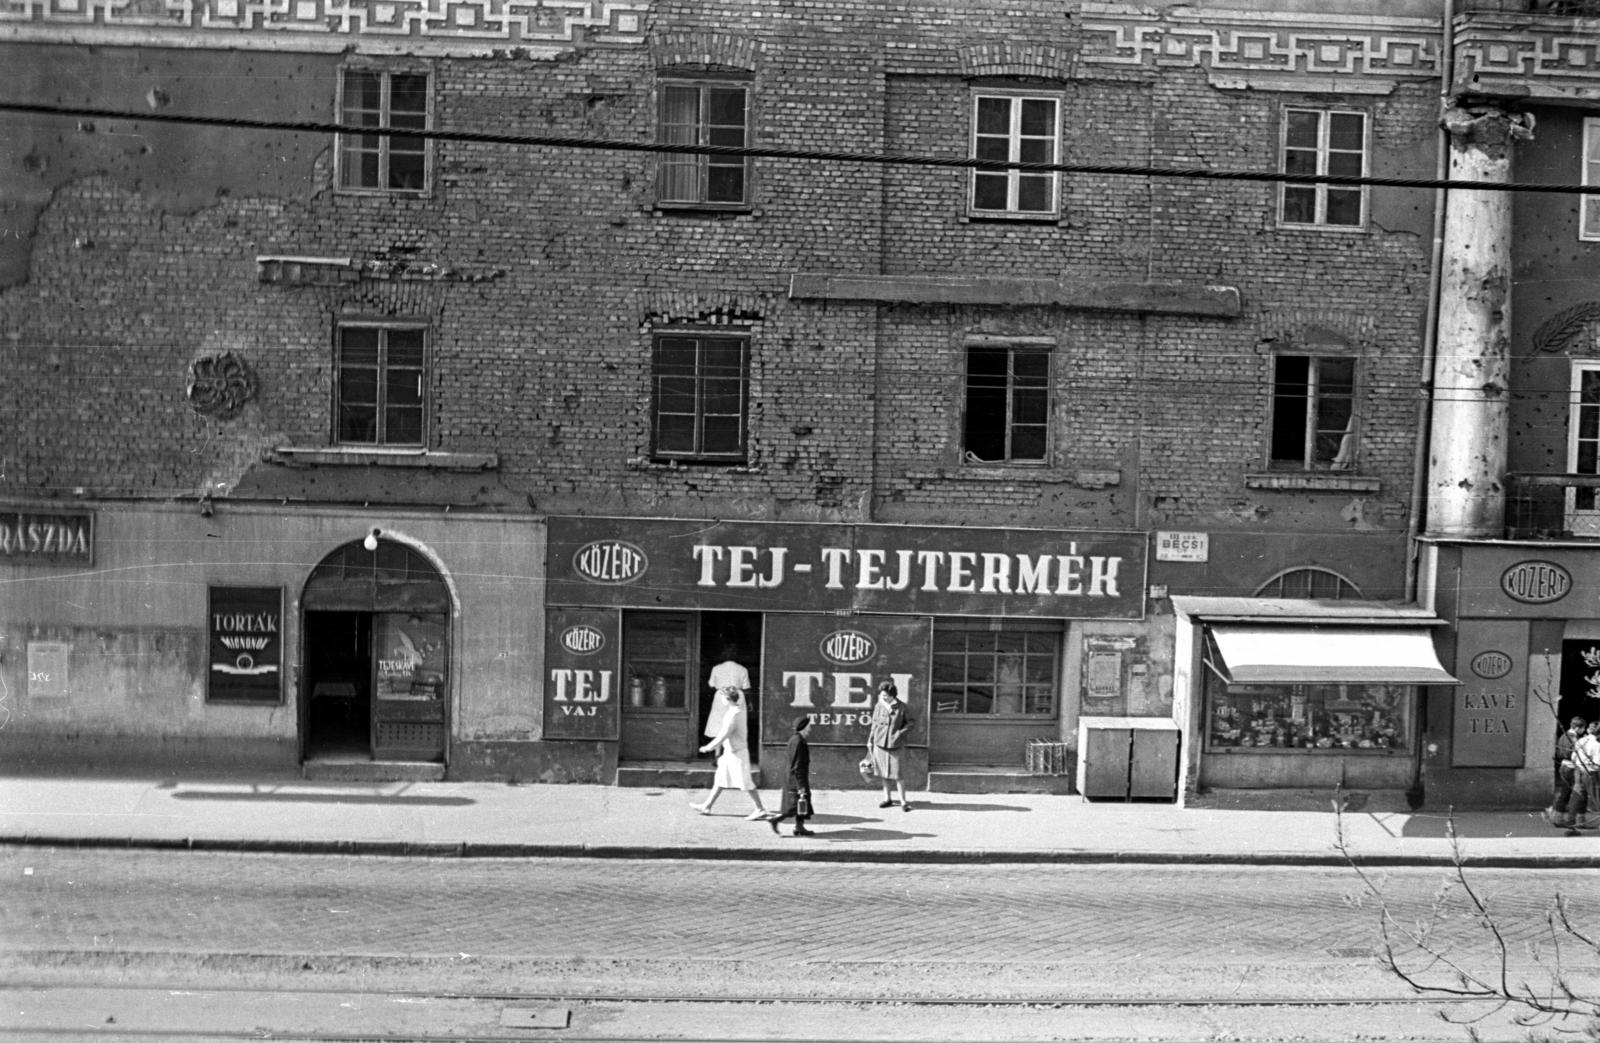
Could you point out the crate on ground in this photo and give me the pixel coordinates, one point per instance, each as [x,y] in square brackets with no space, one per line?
[1047,757]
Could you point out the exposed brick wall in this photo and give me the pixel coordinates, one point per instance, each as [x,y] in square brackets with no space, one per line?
[855,408]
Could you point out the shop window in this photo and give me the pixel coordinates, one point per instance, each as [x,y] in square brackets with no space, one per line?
[381,373]
[1317,141]
[1343,718]
[703,113]
[1313,413]
[1589,208]
[701,397]
[1008,670]
[380,98]
[1015,128]
[655,649]
[1323,584]
[1583,448]
[1007,414]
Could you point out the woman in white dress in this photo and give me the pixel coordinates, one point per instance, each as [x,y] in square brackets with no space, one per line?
[733,762]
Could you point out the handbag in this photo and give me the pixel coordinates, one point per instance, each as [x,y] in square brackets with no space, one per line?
[865,768]
[802,804]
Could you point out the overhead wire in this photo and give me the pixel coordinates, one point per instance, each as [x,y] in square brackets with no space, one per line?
[770,152]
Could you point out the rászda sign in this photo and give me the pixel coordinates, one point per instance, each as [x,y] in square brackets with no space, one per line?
[33,537]
[922,570]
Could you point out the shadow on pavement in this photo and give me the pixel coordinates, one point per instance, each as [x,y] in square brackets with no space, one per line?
[289,797]
[938,805]
[856,833]
[1481,825]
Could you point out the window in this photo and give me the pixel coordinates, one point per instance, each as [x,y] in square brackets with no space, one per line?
[1589,211]
[978,669]
[701,397]
[1313,413]
[382,371]
[1370,718]
[378,162]
[1007,418]
[703,114]
[1016,129]
[1311,582]
[1583,448]
[1317,142]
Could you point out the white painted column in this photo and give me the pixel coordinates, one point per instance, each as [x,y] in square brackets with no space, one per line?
[1472,371]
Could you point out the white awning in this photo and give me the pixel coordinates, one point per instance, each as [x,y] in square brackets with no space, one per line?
[1325,655]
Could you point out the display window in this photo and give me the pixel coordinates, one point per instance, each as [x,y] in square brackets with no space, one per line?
[1344,718]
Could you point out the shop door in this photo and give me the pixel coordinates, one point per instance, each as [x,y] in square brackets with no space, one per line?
[338,685]
[376,656]
[731,637]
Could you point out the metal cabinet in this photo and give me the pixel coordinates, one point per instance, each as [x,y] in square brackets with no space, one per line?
[1128,758]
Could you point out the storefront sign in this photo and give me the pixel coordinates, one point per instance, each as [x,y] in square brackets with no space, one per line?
[581,693]
[1536,582]
[828,669]
[906,569]
[1490,717]
[246,626]
[1183,546]
[46,538]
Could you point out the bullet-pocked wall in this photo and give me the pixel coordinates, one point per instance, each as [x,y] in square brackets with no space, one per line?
[107,659]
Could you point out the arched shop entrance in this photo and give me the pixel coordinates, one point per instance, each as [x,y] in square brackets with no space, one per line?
[376,626]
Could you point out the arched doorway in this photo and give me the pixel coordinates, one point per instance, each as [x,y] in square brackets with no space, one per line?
[376,647]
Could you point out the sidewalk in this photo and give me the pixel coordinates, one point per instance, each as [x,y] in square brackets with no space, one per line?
[485,819]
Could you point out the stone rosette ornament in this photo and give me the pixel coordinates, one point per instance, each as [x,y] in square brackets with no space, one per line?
[219,386]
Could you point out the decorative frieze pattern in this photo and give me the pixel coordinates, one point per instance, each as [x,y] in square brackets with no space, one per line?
[1530,52]
[271,23]
[1247,42]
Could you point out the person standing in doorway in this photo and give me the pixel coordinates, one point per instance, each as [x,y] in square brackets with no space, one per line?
[1583,809]
[890,723]
[797,783]
[727,674]
[733,758]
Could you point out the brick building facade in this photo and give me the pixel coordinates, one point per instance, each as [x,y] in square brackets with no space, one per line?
[430,395]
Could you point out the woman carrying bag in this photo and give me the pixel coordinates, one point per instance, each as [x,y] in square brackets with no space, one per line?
[890,723]
[797,783]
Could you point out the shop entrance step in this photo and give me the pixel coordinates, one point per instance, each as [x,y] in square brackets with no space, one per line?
[670,774]
[969,778]
[361,769]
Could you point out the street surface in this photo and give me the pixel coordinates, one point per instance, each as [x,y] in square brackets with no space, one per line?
[369,947]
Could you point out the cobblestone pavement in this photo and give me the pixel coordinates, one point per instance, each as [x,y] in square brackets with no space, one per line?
[1112,924]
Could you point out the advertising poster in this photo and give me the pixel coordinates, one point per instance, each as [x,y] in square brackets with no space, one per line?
[582,696]
[246,645]
[828,667]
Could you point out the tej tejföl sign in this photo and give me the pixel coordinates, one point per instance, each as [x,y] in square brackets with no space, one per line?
[828,668]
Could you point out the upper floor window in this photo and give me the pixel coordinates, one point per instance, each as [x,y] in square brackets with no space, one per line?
[1007,415]
[1324,142]
[1583,448]
[701,401]
[1313,413]
[382,371]
[380,162]
[711,113]
[1015,128]
[1589,209]
[1308,582]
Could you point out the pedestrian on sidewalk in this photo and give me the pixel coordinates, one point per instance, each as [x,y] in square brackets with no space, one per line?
[1583,809]
[733,757]
[1556,815]
[890,723]
[797,783]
